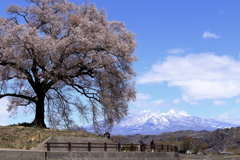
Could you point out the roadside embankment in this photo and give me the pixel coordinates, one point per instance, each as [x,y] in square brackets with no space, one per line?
[41,155]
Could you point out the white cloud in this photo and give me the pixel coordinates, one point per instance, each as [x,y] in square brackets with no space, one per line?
[157,102]
[4,115]
[219,103]
[223,116]
[200,76]
[20,117]
[176,101]
[140,103]
[143,102]
[208,34]
[238,100]
[142,96]
[177,50]
[229,117]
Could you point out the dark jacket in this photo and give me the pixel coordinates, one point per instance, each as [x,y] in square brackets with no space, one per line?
[152,143]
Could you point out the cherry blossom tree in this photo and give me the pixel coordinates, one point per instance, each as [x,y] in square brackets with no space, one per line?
[58,58]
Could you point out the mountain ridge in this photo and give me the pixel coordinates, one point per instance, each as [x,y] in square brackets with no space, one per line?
[153,124]
[146,123]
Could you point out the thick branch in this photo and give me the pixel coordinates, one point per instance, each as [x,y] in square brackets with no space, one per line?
[19,96]
[24,71]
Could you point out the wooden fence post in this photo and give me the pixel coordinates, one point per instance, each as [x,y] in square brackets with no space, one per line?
[131,148]
[119,147]
[89,146]
[105,146]
[167,148]
[69,146]
[175,149]
[48,146]
[161,147]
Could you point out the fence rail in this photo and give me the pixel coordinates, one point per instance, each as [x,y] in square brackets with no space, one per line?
[118,146]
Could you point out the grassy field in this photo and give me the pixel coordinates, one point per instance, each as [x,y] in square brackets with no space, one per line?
[19,137]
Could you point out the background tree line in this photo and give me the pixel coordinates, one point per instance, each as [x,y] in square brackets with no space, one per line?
[183,142]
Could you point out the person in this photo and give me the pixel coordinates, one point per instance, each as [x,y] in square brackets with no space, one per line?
[107,134]
[152,145]
[138,148]
[141,144]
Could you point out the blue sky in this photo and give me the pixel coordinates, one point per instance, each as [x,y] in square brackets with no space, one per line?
[188,51]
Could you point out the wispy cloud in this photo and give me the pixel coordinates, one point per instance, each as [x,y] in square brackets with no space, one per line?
[238,100]
[229,116]
[176,101]
[222,11]
[20,117]
[208,34]
[177,50]
[152,105]
[200,76]
[219,103]
[4,115]
[144,102]
[157,102]
[143,96]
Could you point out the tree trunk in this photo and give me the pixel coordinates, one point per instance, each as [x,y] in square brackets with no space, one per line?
[39,115]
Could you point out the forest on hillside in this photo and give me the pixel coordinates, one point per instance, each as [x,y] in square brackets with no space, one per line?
[197,141]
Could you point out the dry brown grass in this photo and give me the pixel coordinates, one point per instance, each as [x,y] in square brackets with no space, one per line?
[19,137]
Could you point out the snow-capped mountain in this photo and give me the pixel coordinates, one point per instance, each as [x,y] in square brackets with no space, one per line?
[153,123]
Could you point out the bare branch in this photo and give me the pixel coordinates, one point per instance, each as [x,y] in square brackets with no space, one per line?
[19,96]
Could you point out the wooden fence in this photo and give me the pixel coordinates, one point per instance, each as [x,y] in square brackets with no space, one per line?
[117,146]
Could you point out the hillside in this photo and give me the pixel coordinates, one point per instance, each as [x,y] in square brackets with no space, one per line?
[218,140]
[19,137]
[223,138]
[178,136]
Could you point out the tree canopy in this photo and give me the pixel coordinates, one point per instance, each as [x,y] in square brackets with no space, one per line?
[58,58]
